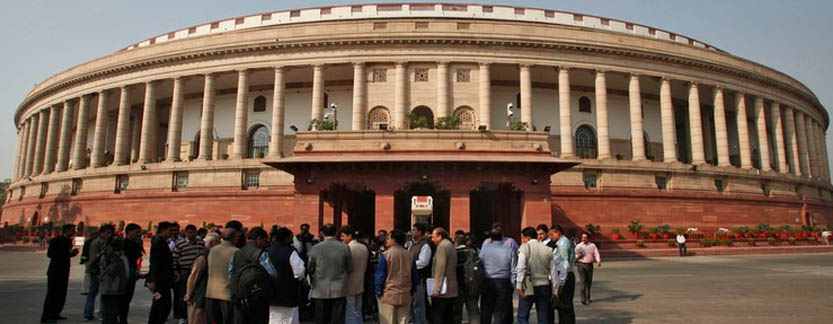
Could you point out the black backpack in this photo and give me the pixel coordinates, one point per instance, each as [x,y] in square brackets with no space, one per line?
[254,285]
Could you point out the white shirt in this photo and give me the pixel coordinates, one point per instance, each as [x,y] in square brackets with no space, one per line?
[424,257]
[680,238]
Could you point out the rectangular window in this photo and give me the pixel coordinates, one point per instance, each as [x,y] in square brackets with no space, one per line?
[326,11]
[662,182]
[380,26]
[422,7]
[519,11]
[421,25]
[488,9]
[388,7]
[251,179]
[44,188]
[22,193]
[239,21]
[266,17]
[356,9]
[463,26]
[180,180]
[122,181]
[192,30]
[454,7]
[379,75]
[628,26]
[719,185]
[215,25]
[420,75]
[76,187]
[463,75]
[578,18]
[549,13]
[590,180]
[605,22]
[295,13]
[766,190]
[171,35]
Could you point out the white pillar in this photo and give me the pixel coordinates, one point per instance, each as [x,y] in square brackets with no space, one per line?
[803,154]
[318,103]
[778,128]
[565,122]
[743,132]
[442,89]
[721,133]
[763,140]
[175,121]
[359,96]
[400,103]
[100,131]
[635,107]
[241,116]
[276,144]
[51,149]
[792,140]
[147,145]
[484,91]
[64,140]
[40,145]
[207,121]
[601,116]
[698,154]
[30,144]
[526,96]
[121,155]
[669,131]
[80,151]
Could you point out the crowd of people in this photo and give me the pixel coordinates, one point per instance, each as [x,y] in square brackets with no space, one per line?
[233,274]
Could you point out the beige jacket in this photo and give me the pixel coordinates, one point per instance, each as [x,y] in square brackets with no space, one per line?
[444,267]
[355,280]
[218,275]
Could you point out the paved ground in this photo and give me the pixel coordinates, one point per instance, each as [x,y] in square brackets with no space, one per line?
[709,289]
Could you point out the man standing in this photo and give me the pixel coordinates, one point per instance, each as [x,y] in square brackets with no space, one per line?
[393,281]
[355,284]
[681,244]
[218,306]
[563,279]
[532,282]
[133,251]
[444,270]
[283,307]
[543,232]
[497,260]
[105,233]
[329,263]
[420,252]
[468,278]
[186,250]
[586,253]
[60,252]
[249,309]
[160,277]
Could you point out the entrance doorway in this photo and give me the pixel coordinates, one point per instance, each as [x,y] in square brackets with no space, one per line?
[495,203]
[402,219]
[343,205]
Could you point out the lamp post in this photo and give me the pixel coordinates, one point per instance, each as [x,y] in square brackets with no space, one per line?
[509,114]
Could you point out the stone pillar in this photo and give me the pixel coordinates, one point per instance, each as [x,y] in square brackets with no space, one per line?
[792,140]
[778,128]
[669,131]
[51,149]
[442,89]
[24,146]
[175,121]
[818,140]
[400,109]
[804,159]
[64,140]
[276,144]
[721,132]
[635,101]
[824,156]
[763,140]
[21,129]
[602,130]
[241,116]
[695,123]
[359,96]
[30,144]
[100,131]
[743,132]
[565,120]
[122,150]
[147,144]
[317,93]
[40,144]
[812,156]
[526,96]
[484,91]
[207,122]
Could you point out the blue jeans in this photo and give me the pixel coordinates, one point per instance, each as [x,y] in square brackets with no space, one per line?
[353,313]
[543,305]
[418,309]
[89,306]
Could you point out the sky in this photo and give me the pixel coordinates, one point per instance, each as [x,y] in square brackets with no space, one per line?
[44,37]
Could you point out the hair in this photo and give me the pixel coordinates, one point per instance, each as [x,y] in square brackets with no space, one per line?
[190,227]
[459,232]
[348,230]
[117,244]
[304,226]
[132,227]
[461,238]
[202,232]
[529,232]
[542,227]
[283,235]
[422,227]
[234,224]
[162,226]
[443,232]
[211,237]
[557,228]
[497,225]
[257,233]
[107,228]
[398,236]
[328,230]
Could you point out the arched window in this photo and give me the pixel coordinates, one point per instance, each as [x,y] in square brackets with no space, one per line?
[260,104]
[378,118]
[584,105]
[421,117]
[586,142]
[258,141]
[468,120]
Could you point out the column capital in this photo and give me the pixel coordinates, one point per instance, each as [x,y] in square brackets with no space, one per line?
[280,67]
[484,64]
[400,63]
[242,70]
[358,63]
[600,71]
[634,74]
[525,65]
[443,62]
[563,68]
[693,84]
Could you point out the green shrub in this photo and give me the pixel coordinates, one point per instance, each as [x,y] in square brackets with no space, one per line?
[635,226]
[518,126]
[450,122]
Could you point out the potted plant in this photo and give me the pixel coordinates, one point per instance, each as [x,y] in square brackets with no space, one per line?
[450,122]
[763,230]
[654,232]
[635,227]
[750,241]
[592,229]
[616,234]
[517,125]
[666,231]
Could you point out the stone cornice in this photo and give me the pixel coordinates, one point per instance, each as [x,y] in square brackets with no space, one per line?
[271,48]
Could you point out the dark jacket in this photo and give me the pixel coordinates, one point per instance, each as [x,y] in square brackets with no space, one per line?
[248,254]
[288,292]
[59,253]
[161,271]
[114,273]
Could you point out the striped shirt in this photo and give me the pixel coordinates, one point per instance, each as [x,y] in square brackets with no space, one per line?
[185,252]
